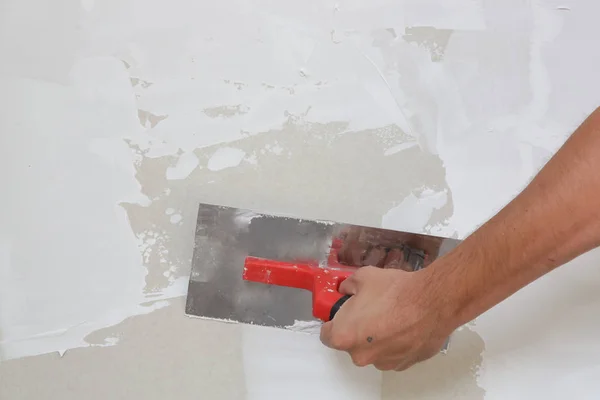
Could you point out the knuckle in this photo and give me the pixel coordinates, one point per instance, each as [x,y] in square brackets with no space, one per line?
[385,366]
[429,353]
[365,272]
[340,341]
[406,364]
[402,367]
[325,334]
[361,359]
[351,280]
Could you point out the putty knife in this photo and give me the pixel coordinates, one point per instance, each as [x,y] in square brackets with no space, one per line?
[274,270]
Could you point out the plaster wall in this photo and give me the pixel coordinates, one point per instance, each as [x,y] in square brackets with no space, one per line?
[117,117]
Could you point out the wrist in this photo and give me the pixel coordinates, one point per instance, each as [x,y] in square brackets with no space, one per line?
[442,295]
[474,277]
[456,288]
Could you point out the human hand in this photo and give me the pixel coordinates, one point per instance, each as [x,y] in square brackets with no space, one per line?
[393,320]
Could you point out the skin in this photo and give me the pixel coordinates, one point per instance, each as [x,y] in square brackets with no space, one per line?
[397,318]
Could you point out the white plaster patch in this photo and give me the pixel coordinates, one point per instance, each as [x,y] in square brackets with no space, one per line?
[112,340]
[275,149]
[81,163]
[310,327]
[251,159]
[170,273]
[153,241]
[117,155]
[175,218]
[413,213]
[225,157]
[399,147]
[186,164]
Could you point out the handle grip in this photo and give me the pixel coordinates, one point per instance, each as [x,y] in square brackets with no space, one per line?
[322,282]
[337,305]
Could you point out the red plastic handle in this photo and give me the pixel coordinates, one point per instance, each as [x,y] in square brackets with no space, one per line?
[322,282]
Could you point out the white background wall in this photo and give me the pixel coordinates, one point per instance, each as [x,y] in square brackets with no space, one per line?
[118,117]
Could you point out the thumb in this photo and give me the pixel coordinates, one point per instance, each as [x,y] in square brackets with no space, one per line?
[349,286]
[354,282]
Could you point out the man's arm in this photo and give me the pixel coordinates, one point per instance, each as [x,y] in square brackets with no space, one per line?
[397,318]
[555,219]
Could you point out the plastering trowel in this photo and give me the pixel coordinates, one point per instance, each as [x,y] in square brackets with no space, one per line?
[248,267]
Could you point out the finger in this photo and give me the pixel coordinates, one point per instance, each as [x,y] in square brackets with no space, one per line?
[406,364]
[333,339]
[361,359]
[354,282]
[325,334]
[350,285]
[429,353]
[419,358]
[386,365]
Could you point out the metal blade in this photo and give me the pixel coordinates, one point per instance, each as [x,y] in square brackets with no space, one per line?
[225,236]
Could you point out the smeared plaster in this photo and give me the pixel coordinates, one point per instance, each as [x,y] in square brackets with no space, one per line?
[414,213]
[399,147]
[172,213]
[225,111]
[175,218]
[186,164]
[225,157]
[64,212]
[385,104]
[309,327]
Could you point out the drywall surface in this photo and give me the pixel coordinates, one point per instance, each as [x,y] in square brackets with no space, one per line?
[118,117]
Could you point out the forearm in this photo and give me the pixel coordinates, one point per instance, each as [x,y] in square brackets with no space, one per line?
[556,218]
